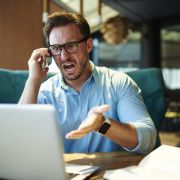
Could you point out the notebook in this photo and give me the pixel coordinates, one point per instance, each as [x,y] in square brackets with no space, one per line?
[30,143]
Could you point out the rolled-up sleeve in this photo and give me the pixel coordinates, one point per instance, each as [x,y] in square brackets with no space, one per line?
[146,138]
[131,109]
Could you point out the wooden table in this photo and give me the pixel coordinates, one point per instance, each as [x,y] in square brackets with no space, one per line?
[106,161]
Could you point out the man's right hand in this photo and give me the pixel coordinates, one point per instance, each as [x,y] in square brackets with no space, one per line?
[36,75]
[36,70]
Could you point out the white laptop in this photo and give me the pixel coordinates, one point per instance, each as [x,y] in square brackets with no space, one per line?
[30,143]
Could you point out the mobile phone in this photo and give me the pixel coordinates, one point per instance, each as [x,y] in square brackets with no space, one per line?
[45,63]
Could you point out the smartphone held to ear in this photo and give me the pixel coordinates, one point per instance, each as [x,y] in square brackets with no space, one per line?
[45,63]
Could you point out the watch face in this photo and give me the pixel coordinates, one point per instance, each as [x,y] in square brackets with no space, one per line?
[104,128]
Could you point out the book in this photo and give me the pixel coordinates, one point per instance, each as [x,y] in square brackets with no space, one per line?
[162,163]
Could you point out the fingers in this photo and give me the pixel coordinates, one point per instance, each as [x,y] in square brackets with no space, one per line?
[41,53]
[76,134]
[39,56]
[99,109]
[80,132]
[102,109]
[37,65]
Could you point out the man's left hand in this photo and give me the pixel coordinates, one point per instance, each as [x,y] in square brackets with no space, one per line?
[93,122]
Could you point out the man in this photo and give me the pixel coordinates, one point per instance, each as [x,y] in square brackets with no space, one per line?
[99,110]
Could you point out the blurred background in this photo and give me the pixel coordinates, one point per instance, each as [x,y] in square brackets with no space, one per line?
[128,35]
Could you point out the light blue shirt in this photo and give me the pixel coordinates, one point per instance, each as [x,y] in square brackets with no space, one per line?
[104,86]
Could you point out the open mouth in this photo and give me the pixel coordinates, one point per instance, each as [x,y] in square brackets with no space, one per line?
[69,67]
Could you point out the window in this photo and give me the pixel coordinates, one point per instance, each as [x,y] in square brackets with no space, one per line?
[171,56]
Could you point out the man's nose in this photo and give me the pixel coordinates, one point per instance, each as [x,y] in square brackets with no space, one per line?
[64,54]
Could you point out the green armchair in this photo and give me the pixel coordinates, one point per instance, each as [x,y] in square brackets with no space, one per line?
[152,85]
[150,81]
[12,84]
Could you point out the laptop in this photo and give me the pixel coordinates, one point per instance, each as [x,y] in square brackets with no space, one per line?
[30,143]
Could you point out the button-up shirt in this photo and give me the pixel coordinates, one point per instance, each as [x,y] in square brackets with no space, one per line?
[104,86]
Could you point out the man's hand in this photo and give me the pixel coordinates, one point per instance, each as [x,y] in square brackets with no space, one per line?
[37,74]
[36,62]
[93,122]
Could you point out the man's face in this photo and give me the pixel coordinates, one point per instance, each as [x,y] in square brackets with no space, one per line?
[72,66]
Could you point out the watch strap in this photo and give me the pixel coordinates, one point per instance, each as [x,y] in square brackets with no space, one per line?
[105,126]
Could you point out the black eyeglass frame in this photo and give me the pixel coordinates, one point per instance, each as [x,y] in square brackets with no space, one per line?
[64,46]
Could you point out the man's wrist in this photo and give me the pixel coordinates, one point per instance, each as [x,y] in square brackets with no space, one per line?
[105,126]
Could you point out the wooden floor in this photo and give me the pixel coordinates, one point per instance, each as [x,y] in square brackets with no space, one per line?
[170,138]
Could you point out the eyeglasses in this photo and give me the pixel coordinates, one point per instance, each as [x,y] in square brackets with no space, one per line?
[70,47]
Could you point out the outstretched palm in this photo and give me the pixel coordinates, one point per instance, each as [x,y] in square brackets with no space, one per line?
[91,123]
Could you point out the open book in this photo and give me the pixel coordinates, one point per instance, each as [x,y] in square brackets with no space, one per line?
[162,163]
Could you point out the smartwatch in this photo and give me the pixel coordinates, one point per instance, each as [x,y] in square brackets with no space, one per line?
[105,126]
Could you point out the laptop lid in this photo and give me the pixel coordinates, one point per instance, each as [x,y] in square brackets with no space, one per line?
[30,143]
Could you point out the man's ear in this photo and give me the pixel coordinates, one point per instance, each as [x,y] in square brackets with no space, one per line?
[89,44]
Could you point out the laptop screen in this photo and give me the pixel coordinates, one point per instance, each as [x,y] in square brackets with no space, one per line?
[30,143]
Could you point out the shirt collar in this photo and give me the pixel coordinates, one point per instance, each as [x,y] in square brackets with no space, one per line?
[94,71]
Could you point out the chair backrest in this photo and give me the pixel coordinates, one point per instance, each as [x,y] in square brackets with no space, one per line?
[12,84]
[151,83]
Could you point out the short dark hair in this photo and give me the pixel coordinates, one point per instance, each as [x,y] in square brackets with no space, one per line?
[62,19]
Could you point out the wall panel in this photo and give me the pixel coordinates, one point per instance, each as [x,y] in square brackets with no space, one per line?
[20,31]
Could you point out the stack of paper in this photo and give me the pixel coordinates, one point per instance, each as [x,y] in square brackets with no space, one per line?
[79,172]
[162,163]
